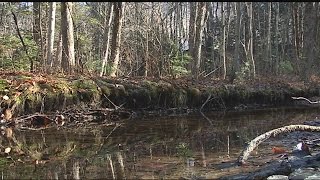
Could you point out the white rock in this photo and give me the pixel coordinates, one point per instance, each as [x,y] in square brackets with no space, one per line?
[5,97]
[7,150]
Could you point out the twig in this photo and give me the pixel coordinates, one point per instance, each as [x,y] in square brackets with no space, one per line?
[208,99]
[212,71]
[210,121]
[34,115]
[34,129]
[303,98]
[115,106]
[117,125]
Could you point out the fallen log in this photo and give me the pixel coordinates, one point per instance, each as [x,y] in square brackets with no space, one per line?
[286,129]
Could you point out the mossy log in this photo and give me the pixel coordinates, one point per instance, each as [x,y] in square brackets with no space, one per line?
[286,129]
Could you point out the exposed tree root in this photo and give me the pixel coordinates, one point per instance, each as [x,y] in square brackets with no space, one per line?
[286,129]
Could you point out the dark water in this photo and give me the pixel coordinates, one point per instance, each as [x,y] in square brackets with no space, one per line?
[147,148]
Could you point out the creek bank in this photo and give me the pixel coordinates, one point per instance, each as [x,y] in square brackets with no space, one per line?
[31,93]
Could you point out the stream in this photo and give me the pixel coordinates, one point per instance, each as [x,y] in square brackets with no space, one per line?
[170,147]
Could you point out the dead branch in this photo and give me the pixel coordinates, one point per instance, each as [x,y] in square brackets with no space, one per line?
[303,98]
[21,39]
[286,129]
[208,99]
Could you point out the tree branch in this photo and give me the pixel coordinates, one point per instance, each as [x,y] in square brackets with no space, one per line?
[21,39]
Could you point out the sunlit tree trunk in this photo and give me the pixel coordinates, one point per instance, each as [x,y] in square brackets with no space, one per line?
[107,33]
[116,37]
[250,14]
[223,40]
[68,58]
[51,29]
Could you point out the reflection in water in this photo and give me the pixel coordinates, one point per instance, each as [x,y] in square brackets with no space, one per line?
[166,147]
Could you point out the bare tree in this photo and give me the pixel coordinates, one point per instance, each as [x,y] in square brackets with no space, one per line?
[68,58]
[223,14]
[250,14]
[192,29]
[269,52]
[107,33]
[236,60]
[116,36]
[51,29]
[198,39]
[309,39]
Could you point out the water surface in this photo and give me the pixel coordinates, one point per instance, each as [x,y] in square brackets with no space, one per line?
[145,148]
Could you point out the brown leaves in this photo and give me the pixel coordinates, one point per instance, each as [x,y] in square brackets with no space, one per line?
[278,150]
[7,114]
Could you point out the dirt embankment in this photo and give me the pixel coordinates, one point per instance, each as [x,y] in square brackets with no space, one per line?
[27,93]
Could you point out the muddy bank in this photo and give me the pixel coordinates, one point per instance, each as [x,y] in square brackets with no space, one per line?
[29,93]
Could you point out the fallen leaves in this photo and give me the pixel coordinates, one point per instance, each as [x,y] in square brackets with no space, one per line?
[278,150]
[7,114]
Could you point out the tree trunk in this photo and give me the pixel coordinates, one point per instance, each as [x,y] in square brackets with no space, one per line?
[192,31]
[68,58]
[36,23]
[223,14]
[295,17]
[277,39]
[236,60]
[309,40]
[107,33]
[250,13]
[37,28]
[269,38]
[58,58]
[116,37]
[50,40]
[198,39]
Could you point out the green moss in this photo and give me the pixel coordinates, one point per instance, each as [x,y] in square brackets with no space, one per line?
[33,102]
[194,96]
[50,101]
[180,97]
[152,88]
[45,86]
[105,90]
[3,84]
[62,86]
[4,162]
[87,90]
